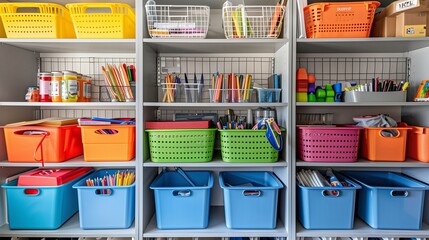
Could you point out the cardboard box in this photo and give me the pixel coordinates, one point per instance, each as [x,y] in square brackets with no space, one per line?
[406,18]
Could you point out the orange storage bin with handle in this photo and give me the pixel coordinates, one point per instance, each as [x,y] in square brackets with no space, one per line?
[42,143]
[108,142]
[418,143]
[339,19]
[384,143]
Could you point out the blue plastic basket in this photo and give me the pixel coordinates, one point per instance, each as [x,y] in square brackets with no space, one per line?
[389,200]
[105,207]
[320,208]
[40,207]
[180,205]
[250,199]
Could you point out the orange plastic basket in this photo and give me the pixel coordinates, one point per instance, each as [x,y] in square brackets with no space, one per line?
[108,142]
[36,20]
[417,144]
[339,19]
[376,146]
[29,143]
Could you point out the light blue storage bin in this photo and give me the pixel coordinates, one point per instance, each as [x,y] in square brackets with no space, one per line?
[105,207]
[40,207]
[250,199]
[320,208]
[389,200]
[178,204]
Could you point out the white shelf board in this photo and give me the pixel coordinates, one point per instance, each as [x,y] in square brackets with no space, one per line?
[363,163]
[70,229]
[69,104]
[216,4]
[183,104]
[216,228]
[74,45]
[216,163]
[361,229]
[74,162]
[215,45]
[360,45]
[359,104]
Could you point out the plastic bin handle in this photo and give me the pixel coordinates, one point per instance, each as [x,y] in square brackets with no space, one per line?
[31,191]
[182,193]
[399,193]
[114,8]
[389,133]
[331,193]
[104,192]
[252,193]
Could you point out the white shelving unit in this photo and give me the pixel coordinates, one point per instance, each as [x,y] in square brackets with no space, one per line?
[415,50]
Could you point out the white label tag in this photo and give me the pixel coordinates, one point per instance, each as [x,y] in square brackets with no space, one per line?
[406,5]
[174,25]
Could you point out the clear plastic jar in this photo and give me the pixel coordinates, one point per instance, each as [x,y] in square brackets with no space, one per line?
[32,94]
[69,87]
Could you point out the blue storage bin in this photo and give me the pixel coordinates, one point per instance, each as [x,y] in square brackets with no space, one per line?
[320,208]
[250,199]
[389,200]
[105,207]
[40,207]
[178,204]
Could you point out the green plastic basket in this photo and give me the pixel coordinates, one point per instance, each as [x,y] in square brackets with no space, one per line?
[181,145]
[246,146]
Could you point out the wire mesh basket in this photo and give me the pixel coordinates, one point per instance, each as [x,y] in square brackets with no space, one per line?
[176,21]
[252,21]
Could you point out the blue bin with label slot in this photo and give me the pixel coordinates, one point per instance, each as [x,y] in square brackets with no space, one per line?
[250,199]
[389,200]
[40,207]
[178,204]
[327,207]
[105,207]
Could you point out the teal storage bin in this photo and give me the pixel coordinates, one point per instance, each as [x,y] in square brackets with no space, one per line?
[250,199]
[40,207]
[178,204]
[389,200]
[105,207]
[327,207]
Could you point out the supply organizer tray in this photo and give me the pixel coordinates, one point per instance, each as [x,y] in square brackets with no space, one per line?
[355,96]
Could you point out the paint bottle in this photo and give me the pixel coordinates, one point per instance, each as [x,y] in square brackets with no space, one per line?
[45,86]
[56,86]
[69,86]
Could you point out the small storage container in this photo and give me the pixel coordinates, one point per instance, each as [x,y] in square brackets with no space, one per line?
[327,207]
[418,143]
[268,95]
[50,21]
[36,207]
[42,143]
[176,21]
[328,144]
[246,146]
[179,205]
[181,145]
[108,143]
[252,21]
[356,96]
[250,199]
[389,200]
[91,20]
[384,144]
[339,19]
[105,207]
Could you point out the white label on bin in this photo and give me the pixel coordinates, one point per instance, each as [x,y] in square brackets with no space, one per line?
[174,25]
[406,5]
[343,9]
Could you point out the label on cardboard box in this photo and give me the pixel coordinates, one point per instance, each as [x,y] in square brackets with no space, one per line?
[405,5]
[415,30]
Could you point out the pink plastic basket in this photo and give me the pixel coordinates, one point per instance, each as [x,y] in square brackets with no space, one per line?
[328,144]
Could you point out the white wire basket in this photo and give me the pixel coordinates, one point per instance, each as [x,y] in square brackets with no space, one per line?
[176,21]
[252,21]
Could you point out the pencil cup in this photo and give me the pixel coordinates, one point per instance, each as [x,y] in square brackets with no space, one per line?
[230,95]
[269,94]
[171,92]
[193,92]
[117,94]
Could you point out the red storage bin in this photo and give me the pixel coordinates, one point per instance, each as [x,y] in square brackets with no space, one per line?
[42,144]
[51,177]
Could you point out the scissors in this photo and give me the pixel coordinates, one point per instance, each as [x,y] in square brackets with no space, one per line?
[272,133]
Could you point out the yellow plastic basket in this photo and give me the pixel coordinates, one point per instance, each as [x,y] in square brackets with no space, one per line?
[36,20]
[2,33]
[118,23]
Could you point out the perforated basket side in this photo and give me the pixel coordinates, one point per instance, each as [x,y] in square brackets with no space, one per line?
[190,145]
[246,146]
[327,144]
